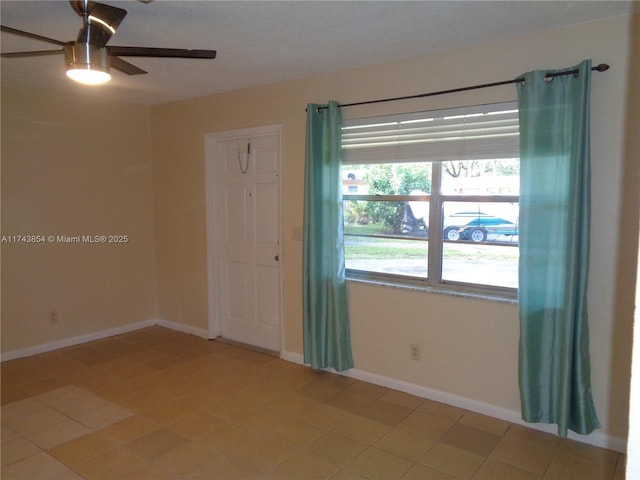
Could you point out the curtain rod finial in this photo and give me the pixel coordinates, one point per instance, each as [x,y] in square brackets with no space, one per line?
[603,67]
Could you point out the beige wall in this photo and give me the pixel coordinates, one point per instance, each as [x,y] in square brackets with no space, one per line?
[74,166]
[469,347]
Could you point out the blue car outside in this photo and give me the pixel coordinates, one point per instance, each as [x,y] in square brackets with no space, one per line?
[479,228]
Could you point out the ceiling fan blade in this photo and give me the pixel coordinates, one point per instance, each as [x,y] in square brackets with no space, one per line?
[159,52]
[108,14]
[34,53]
[22,33]
[100,22]
[124,67]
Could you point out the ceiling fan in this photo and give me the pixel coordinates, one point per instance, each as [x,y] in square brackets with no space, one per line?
[89,58]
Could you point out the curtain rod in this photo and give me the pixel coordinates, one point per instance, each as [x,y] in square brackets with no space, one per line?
[603,67]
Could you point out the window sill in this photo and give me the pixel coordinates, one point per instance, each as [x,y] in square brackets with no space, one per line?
[438,291]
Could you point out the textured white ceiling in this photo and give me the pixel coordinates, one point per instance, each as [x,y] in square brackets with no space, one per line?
[264,42]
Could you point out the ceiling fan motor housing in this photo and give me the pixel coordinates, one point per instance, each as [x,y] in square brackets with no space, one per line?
[86,63]
[85,56]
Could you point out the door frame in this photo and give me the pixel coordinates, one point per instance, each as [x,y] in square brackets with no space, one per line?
[214,261]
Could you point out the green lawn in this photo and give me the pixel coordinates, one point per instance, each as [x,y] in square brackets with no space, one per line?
[357,247]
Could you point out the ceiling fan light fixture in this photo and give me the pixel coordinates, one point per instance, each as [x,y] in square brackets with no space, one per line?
[86,63]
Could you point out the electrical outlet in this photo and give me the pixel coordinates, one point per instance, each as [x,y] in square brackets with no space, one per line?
[53,317]
[414,351]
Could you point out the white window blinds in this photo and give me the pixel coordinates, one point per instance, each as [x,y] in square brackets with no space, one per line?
[468,133]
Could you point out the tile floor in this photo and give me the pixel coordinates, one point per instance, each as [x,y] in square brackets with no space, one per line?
[157,404]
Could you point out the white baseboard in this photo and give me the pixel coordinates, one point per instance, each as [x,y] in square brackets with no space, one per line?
[69,342]
[598,439]
[179,327]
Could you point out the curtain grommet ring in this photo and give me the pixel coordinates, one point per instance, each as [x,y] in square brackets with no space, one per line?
[548,78]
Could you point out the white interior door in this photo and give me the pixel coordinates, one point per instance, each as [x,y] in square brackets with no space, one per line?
[248,223]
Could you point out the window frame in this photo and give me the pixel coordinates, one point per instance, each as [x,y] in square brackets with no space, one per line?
[433,281]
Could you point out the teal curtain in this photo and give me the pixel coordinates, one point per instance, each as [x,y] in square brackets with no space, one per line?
[554,370]
[325,309]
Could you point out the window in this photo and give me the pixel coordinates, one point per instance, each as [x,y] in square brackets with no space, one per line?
[437,202]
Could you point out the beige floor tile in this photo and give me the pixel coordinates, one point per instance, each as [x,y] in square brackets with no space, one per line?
[531,456]
[6,434]
[470,438]
[218,411]
[317,391]
[297,432]
[166,412]
[63,398]
[62,432]
[43,386]
[67,474]
[376,464]
[262,394]
[422,472]
[589,452]
[16,449]
[345,474]
[622,463]
[261,420]
[179,386]
[338,381]
[362,429]
[156,443]
[228,469]
[404,444]
[24,424]
[131,428]
[263,453]
[304,466]
[196,424]
[38,466]
[425,426]
[483,422]
[205,396]
[567,467]
[131,370]
[102,417]
[402,399]
[10,394]
[369,389]
[185,459]
[336,449]
[452,460]
[109,465]
[293,404]
[163,362]
[103,381]
[21,408]
[82,403]
[351,401]
[325,416]
[143,400]
[530,435]
[442,410]
[227,438]
[75,451]
[148,472]
[494,470]
[116,393]
[231,409]
[385,412]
